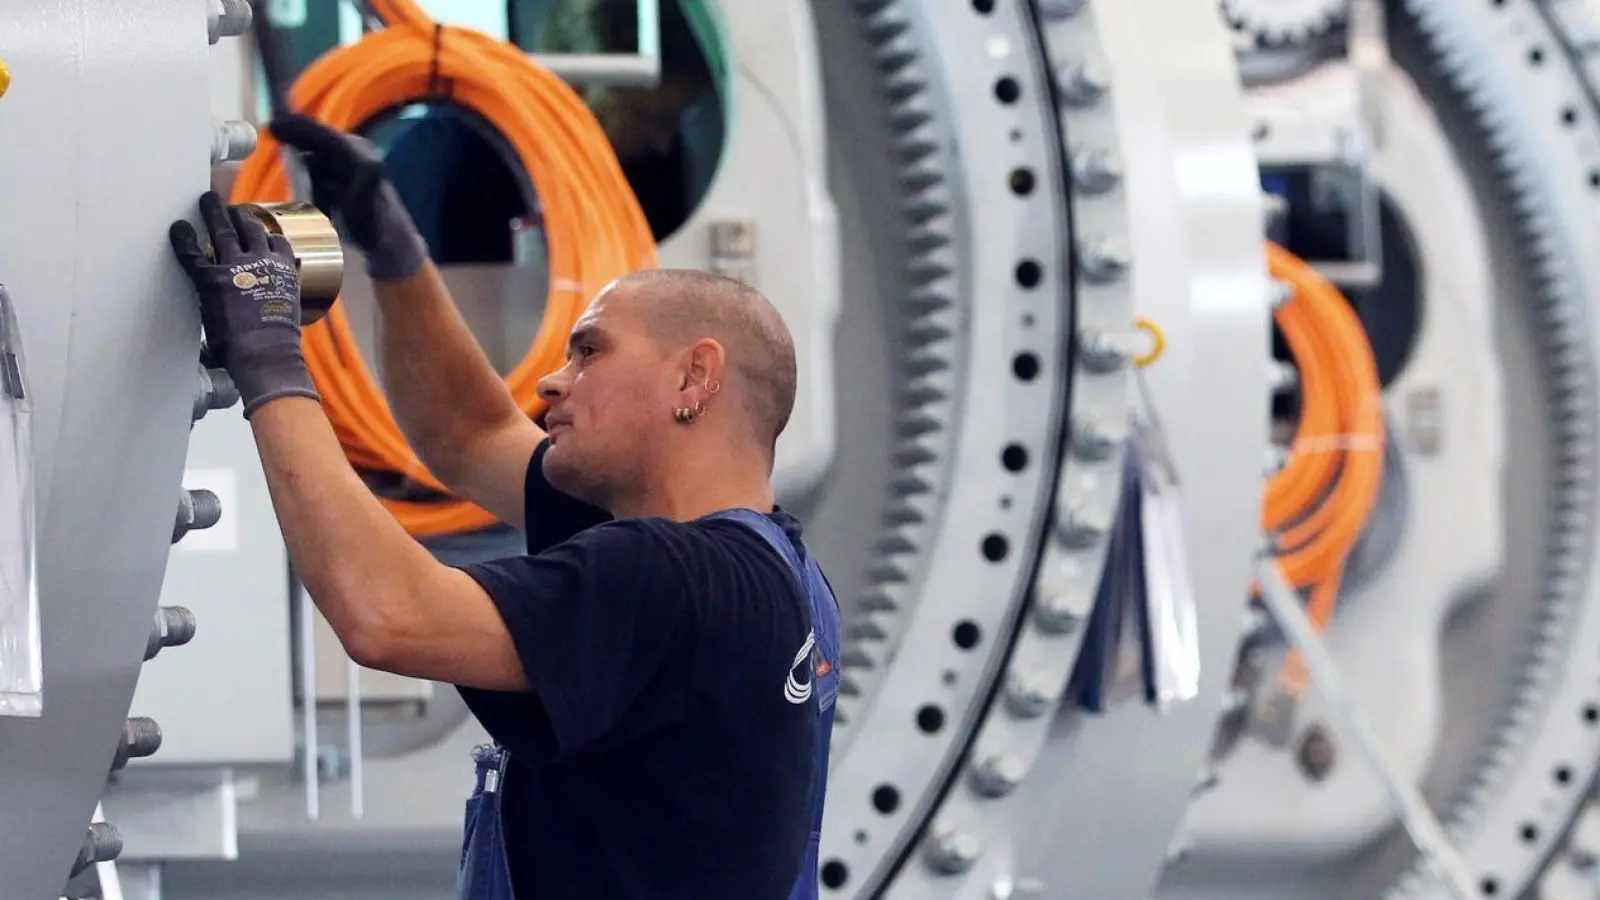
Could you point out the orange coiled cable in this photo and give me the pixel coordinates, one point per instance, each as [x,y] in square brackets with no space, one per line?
[1317,505]
[595,229]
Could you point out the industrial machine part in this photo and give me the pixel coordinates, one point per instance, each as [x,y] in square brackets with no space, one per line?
[316,248]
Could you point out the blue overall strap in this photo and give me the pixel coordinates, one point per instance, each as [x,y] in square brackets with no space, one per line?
[484,873]
[823,614]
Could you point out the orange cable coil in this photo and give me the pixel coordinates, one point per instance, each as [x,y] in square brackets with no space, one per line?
[596,230]
[1317,505]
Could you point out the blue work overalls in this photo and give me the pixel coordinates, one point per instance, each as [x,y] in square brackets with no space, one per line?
[485,874]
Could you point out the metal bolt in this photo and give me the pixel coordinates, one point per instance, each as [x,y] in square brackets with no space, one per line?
[1054,614]
[141,737]
[1089,441]
[197,509]
[1074,532]
[102,843]
[1100,353]
[232,141]
[1027,697]
[951,852]
[228,18]
[174,627]
[998,774]
[1081,84]
[217,391]
[1317,754]
[1103,260]
[1096,171]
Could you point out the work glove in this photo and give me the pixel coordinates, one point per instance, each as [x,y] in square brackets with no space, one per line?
[249,287]
[349,185]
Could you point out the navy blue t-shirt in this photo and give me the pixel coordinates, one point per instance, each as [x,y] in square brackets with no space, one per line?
[657,757]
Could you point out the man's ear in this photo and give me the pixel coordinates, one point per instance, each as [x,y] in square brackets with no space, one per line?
[706,362]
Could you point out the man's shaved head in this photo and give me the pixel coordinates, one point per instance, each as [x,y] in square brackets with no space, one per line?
[655,353]
[681,306]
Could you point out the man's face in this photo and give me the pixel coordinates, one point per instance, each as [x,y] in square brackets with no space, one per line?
[609,405]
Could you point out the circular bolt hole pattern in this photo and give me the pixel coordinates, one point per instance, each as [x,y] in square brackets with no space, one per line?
[1025,366]
[834,874]
[1021,181]
[930,719]
[1029,273]
[983,7]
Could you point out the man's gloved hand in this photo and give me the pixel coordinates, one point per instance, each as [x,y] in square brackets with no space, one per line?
[349,185]
[249,302]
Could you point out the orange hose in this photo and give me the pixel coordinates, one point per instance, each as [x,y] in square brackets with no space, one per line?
[596,230]
[1317,505]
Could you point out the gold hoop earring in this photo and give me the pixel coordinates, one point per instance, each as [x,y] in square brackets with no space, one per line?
[699,409]
[713,386]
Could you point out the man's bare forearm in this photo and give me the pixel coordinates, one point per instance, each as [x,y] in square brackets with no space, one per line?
[441,385]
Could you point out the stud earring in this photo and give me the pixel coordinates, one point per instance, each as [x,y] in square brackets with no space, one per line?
[684,415]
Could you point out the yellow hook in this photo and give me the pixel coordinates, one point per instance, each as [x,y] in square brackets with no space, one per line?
[1158,342]
[5,78]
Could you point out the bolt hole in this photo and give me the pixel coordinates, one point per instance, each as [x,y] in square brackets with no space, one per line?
[966,634]
[1021,181]
[983,7]
[886,798]
[861,837]
[835,874]
[1027,320]
[1016,135]
[1563,774]
[1536,56]
[1025,366]
[1529,832]
[1489,886]
[1569,116]
[995,547]
[1591,714]
[949,677]
[1594,178]
[930,719]
[1029,273]
[1007,90]
[1005,502]
[1014,457]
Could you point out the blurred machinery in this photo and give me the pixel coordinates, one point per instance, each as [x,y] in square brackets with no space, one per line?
[976,215]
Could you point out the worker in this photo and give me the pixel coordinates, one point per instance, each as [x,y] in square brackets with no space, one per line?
[658,673]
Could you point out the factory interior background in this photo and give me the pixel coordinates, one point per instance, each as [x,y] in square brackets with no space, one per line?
[1197,420]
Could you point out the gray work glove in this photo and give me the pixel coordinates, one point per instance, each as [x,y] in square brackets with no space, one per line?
[249,288]
[349,185]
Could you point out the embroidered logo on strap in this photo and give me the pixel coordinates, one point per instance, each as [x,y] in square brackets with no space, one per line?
[794,690]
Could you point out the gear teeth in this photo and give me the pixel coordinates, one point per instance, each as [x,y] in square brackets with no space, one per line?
[867,629]
[913,454]
[878,601]
[909,485]
[1567,370]
[928,300]
[888,571]
[923,398]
